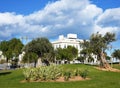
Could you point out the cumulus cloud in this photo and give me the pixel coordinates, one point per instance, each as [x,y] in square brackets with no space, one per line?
[60,17]
[110,17]
[108,21]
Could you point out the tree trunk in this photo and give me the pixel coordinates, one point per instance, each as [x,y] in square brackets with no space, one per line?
[103,62]
[39,62]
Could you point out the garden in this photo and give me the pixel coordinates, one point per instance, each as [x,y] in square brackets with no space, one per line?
[93,79]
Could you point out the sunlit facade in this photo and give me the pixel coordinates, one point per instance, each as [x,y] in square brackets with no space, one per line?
[70,40]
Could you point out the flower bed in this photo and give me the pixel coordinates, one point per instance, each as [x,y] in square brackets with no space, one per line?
[53,73]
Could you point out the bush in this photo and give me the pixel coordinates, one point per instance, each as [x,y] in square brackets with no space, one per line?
[67,75]
[84,73]
[76,72]
[52,72]
[42,73]
[27,74]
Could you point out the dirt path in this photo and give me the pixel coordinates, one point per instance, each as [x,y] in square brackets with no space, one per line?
[61,79]
[109,69]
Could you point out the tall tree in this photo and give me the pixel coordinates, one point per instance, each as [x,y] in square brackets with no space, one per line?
[40,46]
[30,57]
[86,52]
[99,44]
[68,53]
[116,54]
[4,48]
[11,48]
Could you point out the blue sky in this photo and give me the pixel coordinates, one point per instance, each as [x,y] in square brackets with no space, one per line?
[29,6]
[23,6]
[107,4]
[50,18]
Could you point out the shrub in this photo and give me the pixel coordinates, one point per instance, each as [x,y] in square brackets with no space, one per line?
[84,73]
[27,74]
[42,73]
[76,72]
[67,75]
[45,73]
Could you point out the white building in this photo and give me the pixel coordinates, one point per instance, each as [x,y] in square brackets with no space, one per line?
[70,40]
[64,42]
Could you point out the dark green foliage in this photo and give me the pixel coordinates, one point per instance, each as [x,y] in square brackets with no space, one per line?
[68,53]
[109,37]
[67,75]
[116,54]
[81,59]
[76,72]
[42,47]
[30,57]
[108,57]
[84,73]
[11,48]
[97,45]
[86,51]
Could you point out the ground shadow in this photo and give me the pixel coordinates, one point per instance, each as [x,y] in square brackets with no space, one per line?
[4,73]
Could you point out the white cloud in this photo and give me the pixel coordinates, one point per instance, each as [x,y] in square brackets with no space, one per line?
[60,17]
[103,30]
[108,21]
[10,18]
[110,17]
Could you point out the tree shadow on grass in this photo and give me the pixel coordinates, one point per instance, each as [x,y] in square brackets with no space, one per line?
[5,73]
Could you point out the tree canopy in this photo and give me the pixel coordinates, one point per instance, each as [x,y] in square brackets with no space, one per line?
[30,58]
[97,45]
[86,52]
[11,48]
[41,47]
[68,53]
[116,54]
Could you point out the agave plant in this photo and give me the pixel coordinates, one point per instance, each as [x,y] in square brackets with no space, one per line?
[84,73]
[27,74]
[33,74]
[56,71]
[43,73]
[76,72]
[67,75]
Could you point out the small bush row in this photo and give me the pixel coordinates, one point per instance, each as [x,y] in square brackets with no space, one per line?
[77,72]
[42,73]
[46,73]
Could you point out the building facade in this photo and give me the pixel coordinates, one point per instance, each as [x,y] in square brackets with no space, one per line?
[70,40]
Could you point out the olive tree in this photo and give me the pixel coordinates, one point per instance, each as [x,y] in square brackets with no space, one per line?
[41,47]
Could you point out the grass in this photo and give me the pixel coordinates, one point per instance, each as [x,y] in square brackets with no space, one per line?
[116,66]
[99,79]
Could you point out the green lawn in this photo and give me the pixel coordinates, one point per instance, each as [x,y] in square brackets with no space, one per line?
[116,66]
[99,79]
